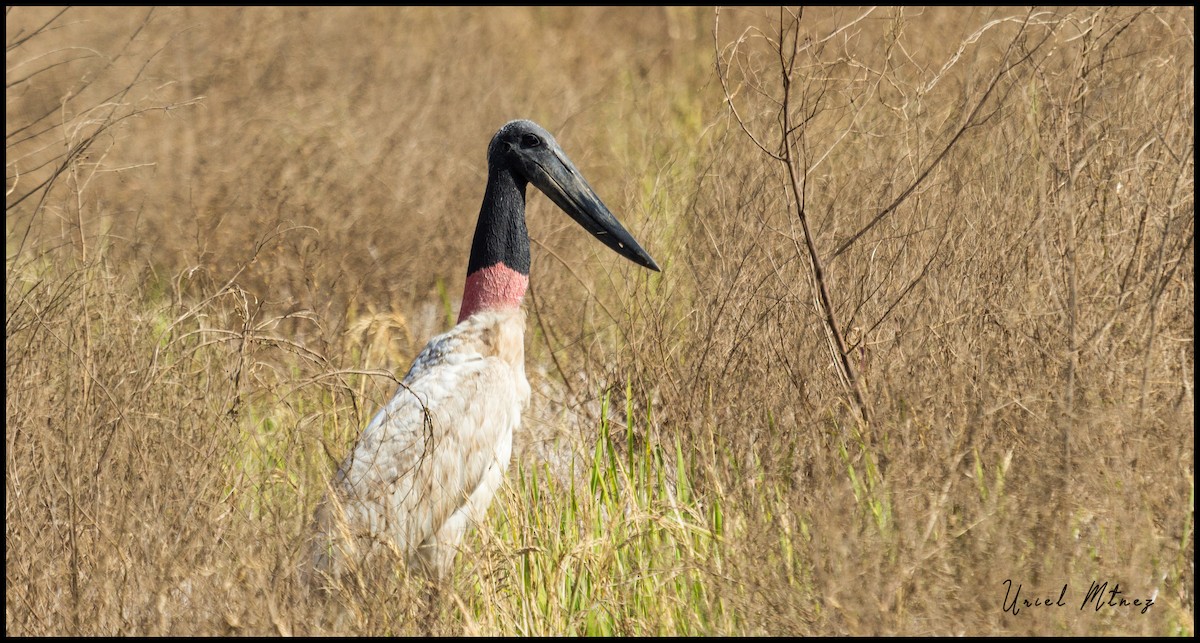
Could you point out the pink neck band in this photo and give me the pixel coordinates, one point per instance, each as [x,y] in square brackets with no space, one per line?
[496,287]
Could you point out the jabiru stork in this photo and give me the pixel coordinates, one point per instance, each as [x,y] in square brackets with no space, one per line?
[430,461]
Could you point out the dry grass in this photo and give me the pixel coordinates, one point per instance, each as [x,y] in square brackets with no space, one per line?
[228,230]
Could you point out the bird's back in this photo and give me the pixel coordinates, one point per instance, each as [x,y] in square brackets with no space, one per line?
[430,461]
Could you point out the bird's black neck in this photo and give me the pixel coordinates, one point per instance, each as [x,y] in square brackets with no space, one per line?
[500,235]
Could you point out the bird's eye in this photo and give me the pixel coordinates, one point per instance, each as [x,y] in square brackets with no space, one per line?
[530,140]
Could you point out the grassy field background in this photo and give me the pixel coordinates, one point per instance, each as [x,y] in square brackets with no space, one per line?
[228,232]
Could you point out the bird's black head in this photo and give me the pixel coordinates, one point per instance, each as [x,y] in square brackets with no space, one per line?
[531,153]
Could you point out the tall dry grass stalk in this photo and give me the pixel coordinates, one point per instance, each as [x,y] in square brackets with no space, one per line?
[925,323]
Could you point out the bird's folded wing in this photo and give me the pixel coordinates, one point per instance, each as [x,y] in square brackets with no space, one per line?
[429,448]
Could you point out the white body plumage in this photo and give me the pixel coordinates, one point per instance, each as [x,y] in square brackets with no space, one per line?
[429,463]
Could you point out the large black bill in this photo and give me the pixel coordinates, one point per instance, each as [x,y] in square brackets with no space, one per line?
[563,183]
